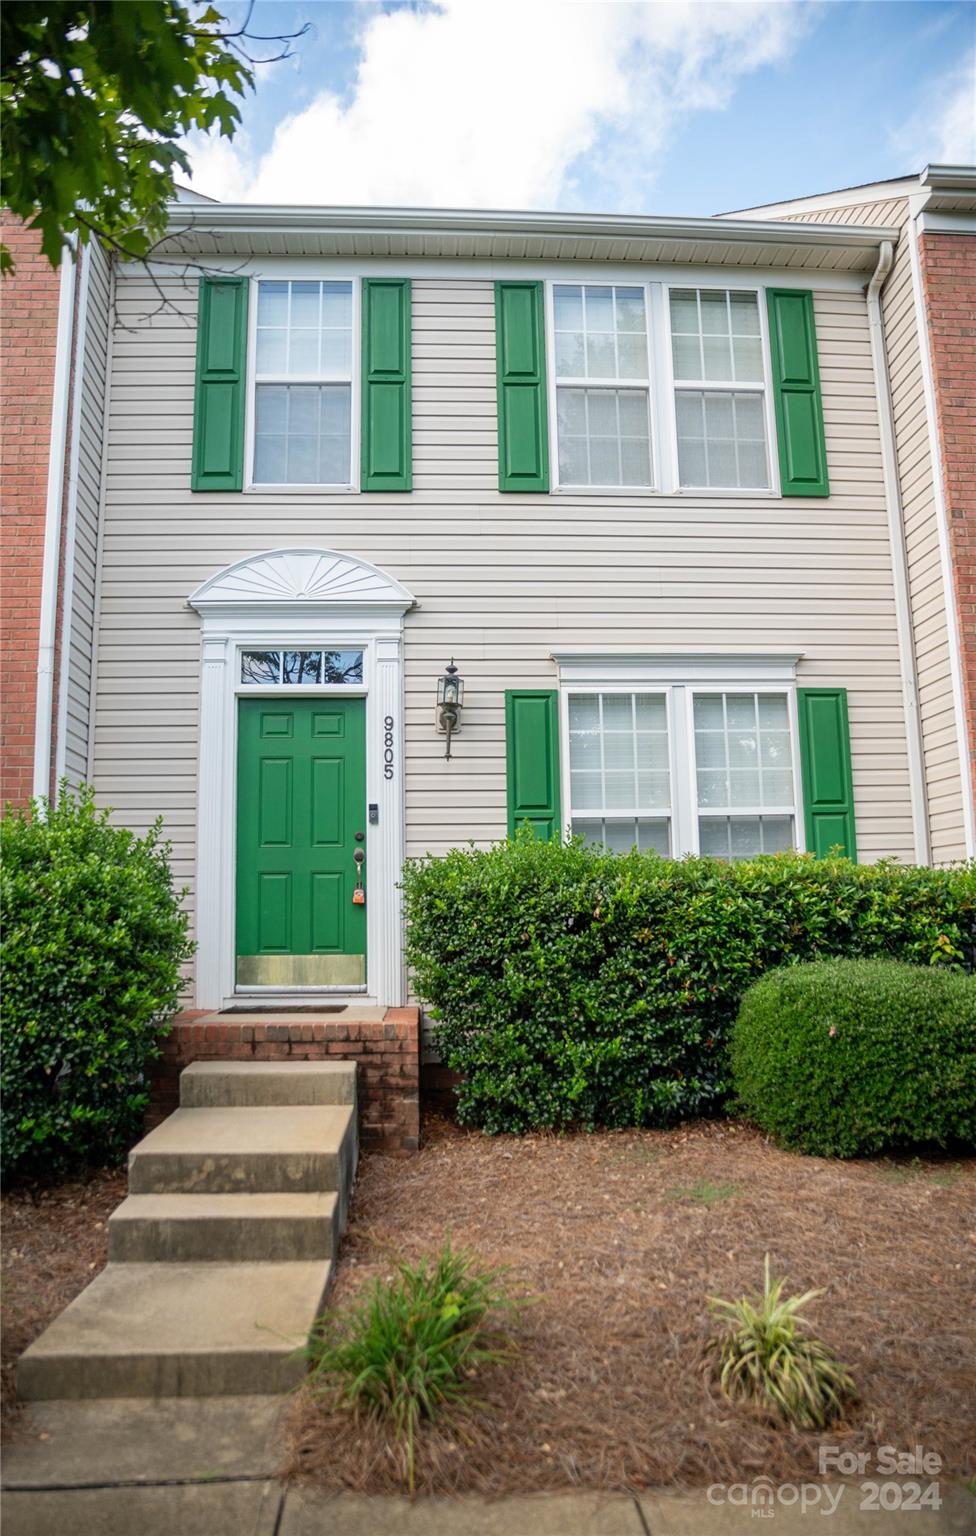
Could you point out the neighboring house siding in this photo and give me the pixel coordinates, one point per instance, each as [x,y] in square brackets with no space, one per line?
[28,342]
[82,559]
[925,572]
[948,263]
[500,580]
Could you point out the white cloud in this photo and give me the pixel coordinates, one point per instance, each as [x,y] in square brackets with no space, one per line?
[942,131]
[471,103]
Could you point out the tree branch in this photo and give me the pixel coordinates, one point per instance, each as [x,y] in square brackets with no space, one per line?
[181,265]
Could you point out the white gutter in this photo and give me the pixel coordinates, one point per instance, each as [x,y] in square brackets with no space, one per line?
[47,627]
[250,217]
[953,633]
[899,560]
[949,178]
[71,522]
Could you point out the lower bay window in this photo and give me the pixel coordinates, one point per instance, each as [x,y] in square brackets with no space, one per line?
[683,769]
[620,772]
[744,780]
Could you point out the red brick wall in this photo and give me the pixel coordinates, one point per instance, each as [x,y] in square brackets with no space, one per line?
[387,1054]
[949,282]
[28,339]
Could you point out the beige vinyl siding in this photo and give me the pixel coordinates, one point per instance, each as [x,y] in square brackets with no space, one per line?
[79,639]
[501,580]
[943,770]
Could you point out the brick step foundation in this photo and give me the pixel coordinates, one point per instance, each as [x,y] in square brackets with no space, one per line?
[385,1045]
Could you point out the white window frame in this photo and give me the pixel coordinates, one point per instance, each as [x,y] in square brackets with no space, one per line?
[729,386]
[691,768]
[680,678]
[649,385]
[662,387]
[627,690]
[355,384]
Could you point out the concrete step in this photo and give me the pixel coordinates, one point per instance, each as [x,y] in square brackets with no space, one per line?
[216,1084]
[179,1330]
[221,1229]
[290,1150]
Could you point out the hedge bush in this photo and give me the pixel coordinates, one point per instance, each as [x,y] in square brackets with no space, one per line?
[570,986]
[843,1057]
[93,943]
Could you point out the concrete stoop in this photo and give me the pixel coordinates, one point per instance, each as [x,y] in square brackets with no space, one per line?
[221,1256]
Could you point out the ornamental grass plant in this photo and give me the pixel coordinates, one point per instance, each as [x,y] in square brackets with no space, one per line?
[413,1347]
[765,1357]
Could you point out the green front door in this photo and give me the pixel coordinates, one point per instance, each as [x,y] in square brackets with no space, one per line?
[301,818]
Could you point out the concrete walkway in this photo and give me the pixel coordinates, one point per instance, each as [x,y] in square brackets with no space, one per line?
[207,1467]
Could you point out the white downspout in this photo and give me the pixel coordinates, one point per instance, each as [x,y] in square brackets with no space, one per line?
[71,524]
[899,559]
[48,624]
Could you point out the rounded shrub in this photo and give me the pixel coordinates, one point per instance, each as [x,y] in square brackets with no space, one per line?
[846,1057]
[94,938]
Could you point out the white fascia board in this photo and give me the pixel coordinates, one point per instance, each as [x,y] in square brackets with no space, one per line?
[251,217]
[936,223]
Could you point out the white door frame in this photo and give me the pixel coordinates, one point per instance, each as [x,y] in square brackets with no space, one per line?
[299,599]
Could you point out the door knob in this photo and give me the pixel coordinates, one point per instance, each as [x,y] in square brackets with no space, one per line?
[359,856]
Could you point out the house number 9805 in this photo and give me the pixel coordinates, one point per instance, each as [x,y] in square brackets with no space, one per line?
[388,747]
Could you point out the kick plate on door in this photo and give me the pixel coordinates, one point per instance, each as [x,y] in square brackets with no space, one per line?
[301,970]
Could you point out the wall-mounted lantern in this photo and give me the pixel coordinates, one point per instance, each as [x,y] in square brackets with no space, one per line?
[450,700]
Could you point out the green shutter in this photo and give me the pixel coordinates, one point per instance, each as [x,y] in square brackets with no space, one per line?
[218,414]
[825,758]
[386,423]
[796,391]
[532,745]
[523,435]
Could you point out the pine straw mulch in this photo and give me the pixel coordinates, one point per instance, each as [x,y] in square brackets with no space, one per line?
[620,1237]
[54,1243]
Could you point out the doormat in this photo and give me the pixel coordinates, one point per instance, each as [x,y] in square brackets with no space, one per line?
[303,1008]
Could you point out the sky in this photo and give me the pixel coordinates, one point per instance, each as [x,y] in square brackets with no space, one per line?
[689,107]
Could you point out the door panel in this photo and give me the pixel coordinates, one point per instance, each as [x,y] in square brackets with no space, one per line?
[328,798]
[328,723]
[301,800]
[275,802]
[327,893]
[274,912]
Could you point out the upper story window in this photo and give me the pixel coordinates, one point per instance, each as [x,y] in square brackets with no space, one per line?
[303,373]
[602,385]
[719,388]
